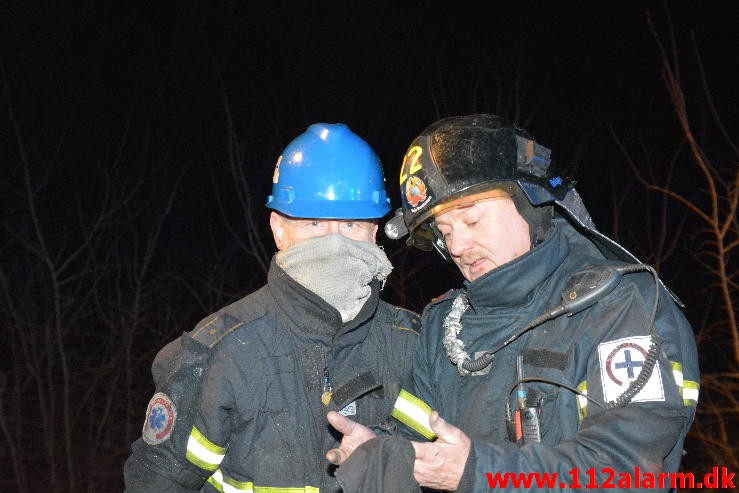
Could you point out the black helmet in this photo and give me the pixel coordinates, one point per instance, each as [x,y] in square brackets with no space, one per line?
[461,156]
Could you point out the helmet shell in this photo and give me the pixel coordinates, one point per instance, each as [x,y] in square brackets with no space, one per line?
[462,155]
[329,172]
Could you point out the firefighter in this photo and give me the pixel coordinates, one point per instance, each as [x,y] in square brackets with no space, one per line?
[560,354]
[240,401]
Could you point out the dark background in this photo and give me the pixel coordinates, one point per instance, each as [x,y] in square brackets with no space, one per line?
[137,141]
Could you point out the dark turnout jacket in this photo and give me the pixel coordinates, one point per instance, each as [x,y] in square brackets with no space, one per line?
[598,351]
[238,403]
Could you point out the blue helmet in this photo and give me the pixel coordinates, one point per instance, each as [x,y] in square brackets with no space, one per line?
[329,172]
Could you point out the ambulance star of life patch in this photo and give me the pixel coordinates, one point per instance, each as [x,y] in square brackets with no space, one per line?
[620,363]
[160,417]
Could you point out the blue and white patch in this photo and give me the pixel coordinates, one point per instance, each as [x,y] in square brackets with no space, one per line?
[620,363]
[160,417]
[350,409]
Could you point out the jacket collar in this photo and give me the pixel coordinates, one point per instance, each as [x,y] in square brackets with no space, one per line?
[514,283]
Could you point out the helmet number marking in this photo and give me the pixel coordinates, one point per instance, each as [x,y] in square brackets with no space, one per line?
[411,159]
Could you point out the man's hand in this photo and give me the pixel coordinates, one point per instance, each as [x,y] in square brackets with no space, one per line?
[440,464]
[354,433]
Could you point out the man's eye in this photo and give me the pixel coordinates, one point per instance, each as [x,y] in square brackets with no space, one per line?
[472,221]
[315,223]
[350,224]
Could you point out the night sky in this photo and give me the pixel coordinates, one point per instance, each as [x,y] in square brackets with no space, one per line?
[570,66]
[572,73]
[578,65]
[146,105]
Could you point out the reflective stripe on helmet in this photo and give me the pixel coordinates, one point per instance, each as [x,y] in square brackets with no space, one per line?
[202,452]
[224,484]
[414,413]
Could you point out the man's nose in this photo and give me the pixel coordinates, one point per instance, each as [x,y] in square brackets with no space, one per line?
[459,243]
[334,227]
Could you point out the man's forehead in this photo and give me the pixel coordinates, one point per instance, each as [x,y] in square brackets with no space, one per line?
[458,207]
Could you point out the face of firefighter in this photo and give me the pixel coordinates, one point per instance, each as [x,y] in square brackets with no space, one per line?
[484,235]
[288,231]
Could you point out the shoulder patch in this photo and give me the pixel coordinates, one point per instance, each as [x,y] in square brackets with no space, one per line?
[407,320]
[620,363]
[442,296]
[160,417]
[447,297]
[210,331]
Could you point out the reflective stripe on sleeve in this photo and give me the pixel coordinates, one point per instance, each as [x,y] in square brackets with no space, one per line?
[273,489]
[414,413]
[228,485]
[224,484]
[677,372]
[582,402]
[202,452]
[690,392]
[688,388]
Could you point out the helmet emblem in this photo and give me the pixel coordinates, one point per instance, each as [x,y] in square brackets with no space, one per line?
[556,181]
[415,191]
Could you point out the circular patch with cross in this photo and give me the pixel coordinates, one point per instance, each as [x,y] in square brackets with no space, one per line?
[633,356]
[621,361]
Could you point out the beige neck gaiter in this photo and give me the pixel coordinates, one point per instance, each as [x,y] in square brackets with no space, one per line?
[337,269]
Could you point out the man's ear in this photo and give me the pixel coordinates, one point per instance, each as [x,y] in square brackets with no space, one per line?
[374,234]
[278,229]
